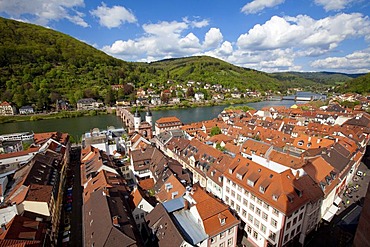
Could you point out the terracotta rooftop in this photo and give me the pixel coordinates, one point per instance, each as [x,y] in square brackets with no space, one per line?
[282,190]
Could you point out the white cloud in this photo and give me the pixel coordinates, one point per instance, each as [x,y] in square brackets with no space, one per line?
[358,61]
[162,39]
[334,4]
[213,38]
[258,5]
[303,32]
[42,12]
[113,17]
[196,24]
[279,44]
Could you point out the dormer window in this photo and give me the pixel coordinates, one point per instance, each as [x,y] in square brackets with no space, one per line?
[262,189]
[238,176]
[231,171]
[250,182]
[275,197]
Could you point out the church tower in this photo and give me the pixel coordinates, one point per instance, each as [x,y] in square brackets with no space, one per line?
[137,120]
[149,117]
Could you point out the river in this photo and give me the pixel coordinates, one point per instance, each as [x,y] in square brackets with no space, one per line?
[77,126]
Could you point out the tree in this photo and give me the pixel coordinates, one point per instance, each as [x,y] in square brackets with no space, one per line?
[190,92]
[215,131]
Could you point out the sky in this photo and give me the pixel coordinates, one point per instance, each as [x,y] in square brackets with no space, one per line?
[266,35]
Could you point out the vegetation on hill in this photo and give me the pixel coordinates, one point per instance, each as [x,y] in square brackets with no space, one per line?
[39,66]
[359,85]
[215,71]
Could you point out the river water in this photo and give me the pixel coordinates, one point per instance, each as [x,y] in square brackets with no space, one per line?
[77,126]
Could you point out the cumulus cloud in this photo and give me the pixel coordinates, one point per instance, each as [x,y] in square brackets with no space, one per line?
[213,38]
[258,5]
[279,44]
[164,39]
[114,16]
[195,23]
[334,4]
[358,61]
[43,12]
[303,31]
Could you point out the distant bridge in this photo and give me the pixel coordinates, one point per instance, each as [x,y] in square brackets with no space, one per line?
[126,116]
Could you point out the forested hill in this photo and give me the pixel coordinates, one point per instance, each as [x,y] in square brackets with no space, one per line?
[358,85]
[39,66]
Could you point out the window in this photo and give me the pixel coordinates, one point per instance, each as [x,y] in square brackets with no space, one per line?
[275,211]
[237,208]
[264,216]
[286,238]
[265,205]
[273,222]
[251,206]
[256,223]
[229,242]
[213,240]
[253,197]
[272,236]
[263,228]
[259,201]
[300,216]
[246,192]
[232,203]
[255,234]
[240,188]
[226,199]
[238,197]
[227,189]
[234,185]
[233,193]
[292,233]
[298,228]
[222,234]
[258,211]
[245,202]
[249,229]
[222,245]
[244,213]
[288,225]
[230,231]
[250,217]
[294,220]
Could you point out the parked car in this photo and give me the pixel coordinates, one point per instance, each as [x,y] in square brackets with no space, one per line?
[67,221]
[68,209]
[360,173]
[67,227]
[66,233]
[69,200]
[66,239]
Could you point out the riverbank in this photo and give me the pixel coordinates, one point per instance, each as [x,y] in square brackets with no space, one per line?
[53,115]
[74,114]
[188,104]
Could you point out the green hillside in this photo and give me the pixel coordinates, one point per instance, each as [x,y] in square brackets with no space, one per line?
[40,65]
[359,85]
[214,71]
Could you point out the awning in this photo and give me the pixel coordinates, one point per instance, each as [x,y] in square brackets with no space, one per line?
[337,201]
[328,216]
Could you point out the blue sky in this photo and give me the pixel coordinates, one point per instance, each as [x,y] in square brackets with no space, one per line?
[267,35]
